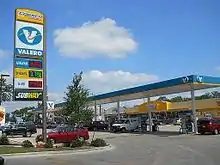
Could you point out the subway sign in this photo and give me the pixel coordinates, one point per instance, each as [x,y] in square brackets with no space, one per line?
[28,95]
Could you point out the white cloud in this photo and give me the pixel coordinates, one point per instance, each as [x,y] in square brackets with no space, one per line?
[55,97]
[100,38]
[218,68]
[101,82]
[3,53]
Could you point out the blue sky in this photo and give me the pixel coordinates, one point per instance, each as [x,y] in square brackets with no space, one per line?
[144,41]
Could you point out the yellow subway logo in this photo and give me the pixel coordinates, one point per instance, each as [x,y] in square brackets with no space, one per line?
[29,95]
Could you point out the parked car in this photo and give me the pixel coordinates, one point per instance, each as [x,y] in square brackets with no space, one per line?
[26,129]
[177,121]
[209,125]
[63,134]
[97,125]
[51,125]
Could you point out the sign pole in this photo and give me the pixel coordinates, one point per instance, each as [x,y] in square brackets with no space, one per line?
[44,111]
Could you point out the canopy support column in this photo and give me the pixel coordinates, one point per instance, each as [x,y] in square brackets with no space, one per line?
[100,110]
[95,112]
[118,109]
[193,106]
[149,114]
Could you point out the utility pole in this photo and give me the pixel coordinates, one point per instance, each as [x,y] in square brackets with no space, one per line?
[1,85]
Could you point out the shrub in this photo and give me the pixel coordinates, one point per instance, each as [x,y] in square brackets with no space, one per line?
[4,140]
[40,145]
[98,142]
[67,144]
[27,144]
[48,144]
[39,138]
[77,143]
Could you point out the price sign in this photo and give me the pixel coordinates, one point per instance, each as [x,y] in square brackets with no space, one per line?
[35,74]
[35,64]
[35,84]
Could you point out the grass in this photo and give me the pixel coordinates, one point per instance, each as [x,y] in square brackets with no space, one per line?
[13,150]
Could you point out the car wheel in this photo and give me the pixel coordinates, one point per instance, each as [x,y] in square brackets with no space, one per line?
[82,139]
[215,132]
[53,141]
[123,130]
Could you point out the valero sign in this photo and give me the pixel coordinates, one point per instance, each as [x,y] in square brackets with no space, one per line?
[29,55]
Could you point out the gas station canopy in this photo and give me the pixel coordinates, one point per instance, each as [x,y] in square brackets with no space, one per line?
[177,85]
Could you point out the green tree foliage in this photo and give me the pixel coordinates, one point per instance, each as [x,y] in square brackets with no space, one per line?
[25,113]
[208,95]
[7,90]
[76,108]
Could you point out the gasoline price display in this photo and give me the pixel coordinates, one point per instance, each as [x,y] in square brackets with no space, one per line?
[35,64]
[35,74]
[35,84]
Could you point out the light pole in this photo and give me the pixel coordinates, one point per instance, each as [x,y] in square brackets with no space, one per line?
[1,85]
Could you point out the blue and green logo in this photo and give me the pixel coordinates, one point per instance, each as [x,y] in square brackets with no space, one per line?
[29,35]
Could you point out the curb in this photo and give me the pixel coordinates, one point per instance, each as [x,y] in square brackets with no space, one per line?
[54,153]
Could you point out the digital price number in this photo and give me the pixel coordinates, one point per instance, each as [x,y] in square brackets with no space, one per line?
[35,84]
[35,74]
[35,64]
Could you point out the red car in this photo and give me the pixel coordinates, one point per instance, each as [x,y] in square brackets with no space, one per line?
[209,125]
[63,134]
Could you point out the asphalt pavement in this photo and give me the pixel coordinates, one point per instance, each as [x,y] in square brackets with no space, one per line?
[140,149]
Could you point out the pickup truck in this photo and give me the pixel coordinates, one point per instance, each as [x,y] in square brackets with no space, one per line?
[128,124]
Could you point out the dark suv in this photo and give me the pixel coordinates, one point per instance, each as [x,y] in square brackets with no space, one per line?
[26,129]
[97,125]
[209,125]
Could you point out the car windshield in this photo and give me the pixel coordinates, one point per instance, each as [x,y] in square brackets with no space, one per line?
[120,122]
[58,129]
[203,121]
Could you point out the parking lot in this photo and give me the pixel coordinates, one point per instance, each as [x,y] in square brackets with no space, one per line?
[166,129]
[160,148]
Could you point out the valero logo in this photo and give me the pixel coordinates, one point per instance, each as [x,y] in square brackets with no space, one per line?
[29,35]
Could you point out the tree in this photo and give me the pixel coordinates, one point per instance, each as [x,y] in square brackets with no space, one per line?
[215,94]
[7,117]
[163,98]
[13,118]
[204,96]
[176,99]
[76,107]
[7,90]
[25,113]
